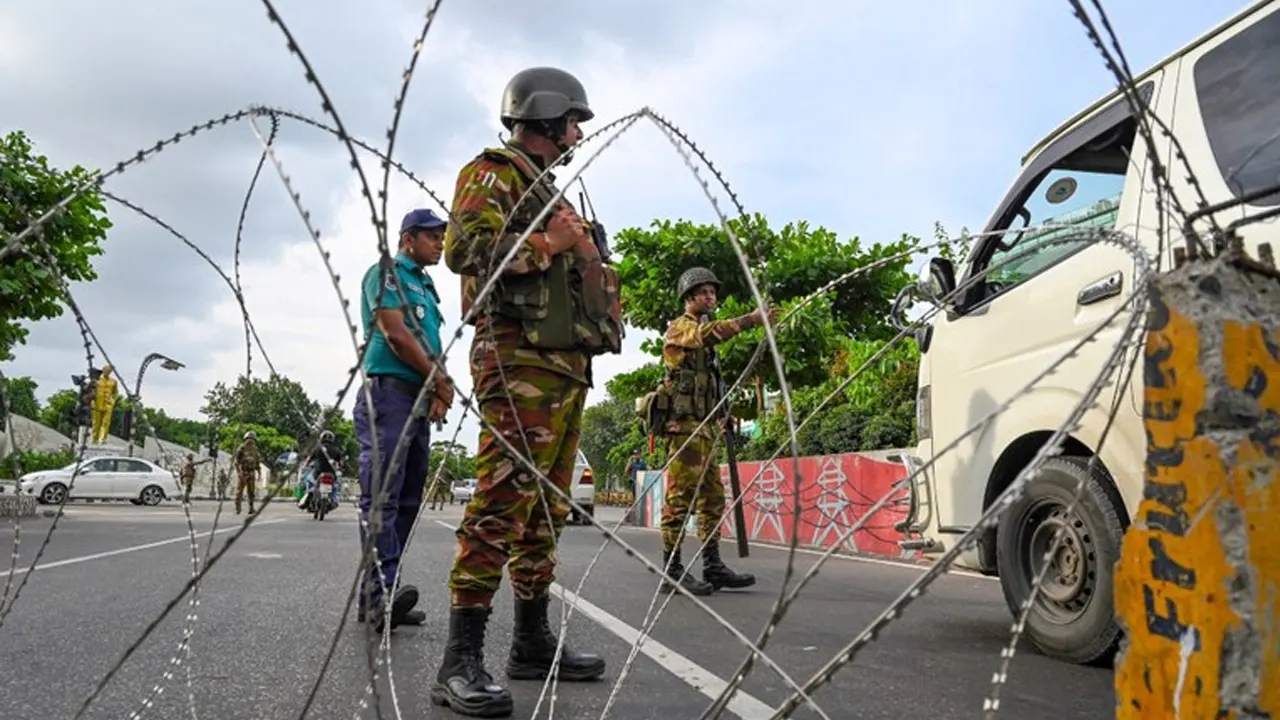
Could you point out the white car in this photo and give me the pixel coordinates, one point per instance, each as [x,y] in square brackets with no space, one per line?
[463,491]
[108,477]
[583,490]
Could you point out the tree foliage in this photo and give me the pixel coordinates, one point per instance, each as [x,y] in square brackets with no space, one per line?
[607,426]
[455,457]
[873,411]
[29,289]
[20,393]
[59,412]
[799,261]
[275,402]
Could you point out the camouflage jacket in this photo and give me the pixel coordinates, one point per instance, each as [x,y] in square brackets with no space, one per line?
[685,336]
[484,197]
[188,470]
[247,458]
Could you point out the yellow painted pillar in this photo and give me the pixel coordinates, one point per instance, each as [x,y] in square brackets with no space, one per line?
[1198,581]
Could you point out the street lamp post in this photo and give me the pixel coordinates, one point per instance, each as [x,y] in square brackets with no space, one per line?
[167,363]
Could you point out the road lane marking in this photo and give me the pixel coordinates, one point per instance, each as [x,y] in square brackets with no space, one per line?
[131,549]
[697,677]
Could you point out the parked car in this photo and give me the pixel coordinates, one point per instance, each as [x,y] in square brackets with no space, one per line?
[583,491]
[463,491]
[109,477]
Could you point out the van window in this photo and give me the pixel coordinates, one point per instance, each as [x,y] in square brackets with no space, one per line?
[1238,89]
[1076,195]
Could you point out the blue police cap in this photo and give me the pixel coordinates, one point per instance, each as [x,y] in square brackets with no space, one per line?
[421,218]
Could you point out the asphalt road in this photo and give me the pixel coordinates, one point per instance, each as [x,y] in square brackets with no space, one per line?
[269,608]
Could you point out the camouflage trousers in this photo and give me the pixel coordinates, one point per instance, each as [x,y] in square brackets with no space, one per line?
[246,480]
[507,522]
[695,463]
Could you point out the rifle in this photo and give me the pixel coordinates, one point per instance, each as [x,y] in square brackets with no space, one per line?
[730,446]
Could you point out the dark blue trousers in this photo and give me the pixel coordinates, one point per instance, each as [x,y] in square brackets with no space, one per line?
[402,489]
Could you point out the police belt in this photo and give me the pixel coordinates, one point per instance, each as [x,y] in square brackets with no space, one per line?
[390,382]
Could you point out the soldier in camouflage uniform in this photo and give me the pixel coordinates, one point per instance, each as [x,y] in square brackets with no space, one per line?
[555,307]
[690,391]
[223,481]
[187,474]
[247,461]
[439,486]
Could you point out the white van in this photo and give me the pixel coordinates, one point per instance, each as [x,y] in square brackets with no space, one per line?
[1220,96]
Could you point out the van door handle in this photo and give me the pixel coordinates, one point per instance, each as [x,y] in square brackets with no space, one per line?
[1099,290]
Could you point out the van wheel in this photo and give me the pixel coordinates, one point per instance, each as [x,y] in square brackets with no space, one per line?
[1072,617]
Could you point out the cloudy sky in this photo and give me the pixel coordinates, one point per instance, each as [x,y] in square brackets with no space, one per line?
[870,118]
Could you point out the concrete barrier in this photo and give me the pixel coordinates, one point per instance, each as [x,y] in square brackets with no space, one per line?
[13,505]
[1198,581]
[835,491]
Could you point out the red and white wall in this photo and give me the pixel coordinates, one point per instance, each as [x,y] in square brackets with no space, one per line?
[835,491]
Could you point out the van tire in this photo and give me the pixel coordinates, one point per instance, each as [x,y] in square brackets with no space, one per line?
[1073,617]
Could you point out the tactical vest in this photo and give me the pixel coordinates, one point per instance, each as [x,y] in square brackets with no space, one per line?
[575,304]
[688,393]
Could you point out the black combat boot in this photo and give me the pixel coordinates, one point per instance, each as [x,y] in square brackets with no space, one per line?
[717,574]
[677,576]
[533,647]
[462,684]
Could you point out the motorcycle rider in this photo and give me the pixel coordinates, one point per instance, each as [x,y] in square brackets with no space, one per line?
[326,458]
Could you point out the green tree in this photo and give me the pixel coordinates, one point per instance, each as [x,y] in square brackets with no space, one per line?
[276,402]
[800,260]
[59,412]
[21,395]
[29,288]
[271,442]
[609,429]
[455,457]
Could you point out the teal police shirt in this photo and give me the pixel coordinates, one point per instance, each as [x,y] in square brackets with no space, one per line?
[424,304]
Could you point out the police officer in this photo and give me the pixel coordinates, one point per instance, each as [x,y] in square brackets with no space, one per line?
[555,308]
[398,361]
[692,391]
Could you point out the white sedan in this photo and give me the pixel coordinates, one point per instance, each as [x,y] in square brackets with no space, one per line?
[110,477]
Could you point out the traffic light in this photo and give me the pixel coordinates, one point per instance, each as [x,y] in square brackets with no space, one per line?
[213,442]
[84,401]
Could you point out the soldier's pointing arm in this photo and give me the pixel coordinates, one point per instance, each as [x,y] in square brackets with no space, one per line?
[686,333]
[476,239]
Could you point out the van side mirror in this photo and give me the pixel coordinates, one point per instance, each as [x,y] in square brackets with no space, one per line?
[939,280]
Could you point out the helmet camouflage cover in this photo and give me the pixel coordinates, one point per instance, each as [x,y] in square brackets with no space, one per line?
[694,277]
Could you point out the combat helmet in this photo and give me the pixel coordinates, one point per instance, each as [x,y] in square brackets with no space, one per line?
[543,93]
[692,278]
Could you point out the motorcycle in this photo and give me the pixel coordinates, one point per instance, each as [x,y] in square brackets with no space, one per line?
[322,496]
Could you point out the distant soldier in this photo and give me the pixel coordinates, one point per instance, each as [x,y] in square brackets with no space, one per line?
[688,354]
[247,461]
[223,481]
[440,486]
[187,474]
